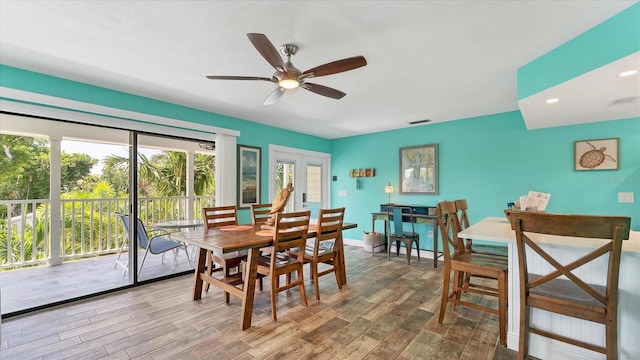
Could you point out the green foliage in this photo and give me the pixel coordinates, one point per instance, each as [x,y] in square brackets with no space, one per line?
[25,175]
[25,167]
[75,167]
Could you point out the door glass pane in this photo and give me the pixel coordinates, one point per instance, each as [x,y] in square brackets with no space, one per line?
[285,174]
[175,180]
[61,239]
[314,189]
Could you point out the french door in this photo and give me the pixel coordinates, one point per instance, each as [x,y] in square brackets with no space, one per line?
[308,171]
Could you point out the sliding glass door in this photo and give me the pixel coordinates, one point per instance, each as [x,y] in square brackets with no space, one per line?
[61,190]
[58,230]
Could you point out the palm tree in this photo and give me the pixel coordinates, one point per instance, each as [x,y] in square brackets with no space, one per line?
[164,174]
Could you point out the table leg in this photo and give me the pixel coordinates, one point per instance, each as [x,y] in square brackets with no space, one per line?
[341,261]
[250,275]
[200,269]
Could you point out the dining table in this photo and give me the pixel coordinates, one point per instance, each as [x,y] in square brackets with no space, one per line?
[498,229]
[183,224]
[232,238]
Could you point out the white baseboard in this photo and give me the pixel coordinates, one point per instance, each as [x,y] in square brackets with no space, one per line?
[355,242]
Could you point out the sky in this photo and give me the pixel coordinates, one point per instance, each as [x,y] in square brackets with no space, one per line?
[100,151]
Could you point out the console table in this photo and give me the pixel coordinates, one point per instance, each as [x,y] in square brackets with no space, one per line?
[421,215]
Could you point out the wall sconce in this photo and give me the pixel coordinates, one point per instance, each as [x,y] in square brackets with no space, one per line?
[389,190]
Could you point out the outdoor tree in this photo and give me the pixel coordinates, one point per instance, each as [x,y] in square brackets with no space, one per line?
[75,167]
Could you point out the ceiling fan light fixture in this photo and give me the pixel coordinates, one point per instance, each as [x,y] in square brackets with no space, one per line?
[289,83]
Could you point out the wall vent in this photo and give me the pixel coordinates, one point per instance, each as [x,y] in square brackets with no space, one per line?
[624,101]
[419,121]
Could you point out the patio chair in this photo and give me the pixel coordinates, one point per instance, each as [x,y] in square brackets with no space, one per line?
[156,244]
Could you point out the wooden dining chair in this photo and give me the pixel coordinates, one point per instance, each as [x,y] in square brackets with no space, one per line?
[474,265]
[461,206]
[397,234]
[260,213]
[561,290]
[326,247]
[214,217]
[290,232]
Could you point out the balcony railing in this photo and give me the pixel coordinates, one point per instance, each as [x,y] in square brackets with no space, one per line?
[88,227]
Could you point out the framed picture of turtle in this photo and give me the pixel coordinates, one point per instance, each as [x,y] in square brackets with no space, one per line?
[597,154]
[248,175]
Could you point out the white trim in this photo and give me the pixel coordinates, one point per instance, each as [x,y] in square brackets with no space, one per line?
[111,117]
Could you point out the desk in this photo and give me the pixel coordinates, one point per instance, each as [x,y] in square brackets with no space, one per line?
[498,229]
[235,238]
[418,219]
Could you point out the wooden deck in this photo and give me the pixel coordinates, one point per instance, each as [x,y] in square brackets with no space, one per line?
[387,310]
[42,285]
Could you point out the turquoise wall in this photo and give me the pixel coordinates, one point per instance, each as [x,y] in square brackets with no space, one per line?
[611,40]
[251,133]
[490,160]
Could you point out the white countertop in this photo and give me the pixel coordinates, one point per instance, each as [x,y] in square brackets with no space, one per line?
[498,229]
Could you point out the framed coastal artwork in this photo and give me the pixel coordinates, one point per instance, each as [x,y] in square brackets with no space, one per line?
[248,175]
[419,169]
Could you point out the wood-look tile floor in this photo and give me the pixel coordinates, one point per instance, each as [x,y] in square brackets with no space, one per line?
[388,310]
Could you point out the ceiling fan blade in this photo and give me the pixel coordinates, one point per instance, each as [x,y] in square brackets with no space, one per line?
[274,96]
[324,90]
[267,50]
[336,67]
[214,77]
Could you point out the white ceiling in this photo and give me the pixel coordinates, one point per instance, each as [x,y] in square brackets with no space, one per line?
[438,60]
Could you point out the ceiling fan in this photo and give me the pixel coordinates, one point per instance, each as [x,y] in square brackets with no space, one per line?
[288,76]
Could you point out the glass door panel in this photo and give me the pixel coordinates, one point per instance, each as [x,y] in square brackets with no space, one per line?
[60,220]
[312,198]
[175,180]
[286,174]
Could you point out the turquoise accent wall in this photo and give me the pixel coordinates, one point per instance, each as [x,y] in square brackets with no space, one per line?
[490,160]
[613,39]
[251,133]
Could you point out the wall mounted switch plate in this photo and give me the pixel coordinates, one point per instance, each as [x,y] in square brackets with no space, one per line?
[625,197]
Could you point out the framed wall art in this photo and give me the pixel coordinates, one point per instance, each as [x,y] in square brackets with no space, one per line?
[248,175]
[419,169]
[597,154]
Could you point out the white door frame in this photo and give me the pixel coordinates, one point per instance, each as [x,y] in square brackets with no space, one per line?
[301,158]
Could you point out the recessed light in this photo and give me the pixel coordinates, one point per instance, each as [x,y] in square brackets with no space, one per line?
[628,73]
[552,100]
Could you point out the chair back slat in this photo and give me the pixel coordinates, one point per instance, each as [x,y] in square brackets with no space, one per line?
[219,216]
[329,226]
[290,232]
[449,228]
[585,226]
[260,213]
[462,207]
